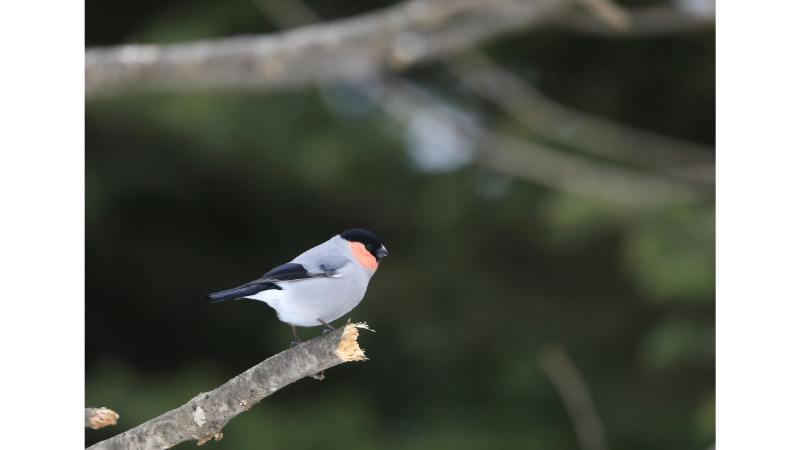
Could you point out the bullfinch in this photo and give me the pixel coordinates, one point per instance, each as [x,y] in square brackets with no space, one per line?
[319,286]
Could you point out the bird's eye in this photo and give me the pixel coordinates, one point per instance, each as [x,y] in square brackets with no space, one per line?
[369,247]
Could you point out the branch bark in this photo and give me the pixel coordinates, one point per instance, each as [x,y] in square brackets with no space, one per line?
[203,417]
[394,38]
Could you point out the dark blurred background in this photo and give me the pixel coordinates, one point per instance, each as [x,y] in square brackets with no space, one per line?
[502,291]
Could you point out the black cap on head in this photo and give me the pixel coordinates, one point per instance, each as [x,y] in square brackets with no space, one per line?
[370,240]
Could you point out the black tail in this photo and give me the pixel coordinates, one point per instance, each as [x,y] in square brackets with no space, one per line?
[237,293]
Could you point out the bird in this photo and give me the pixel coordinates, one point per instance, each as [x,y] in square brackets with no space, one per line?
[320,285]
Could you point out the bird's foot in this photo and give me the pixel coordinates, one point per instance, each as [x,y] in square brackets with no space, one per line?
[328,327]
[294,343]
[296,337]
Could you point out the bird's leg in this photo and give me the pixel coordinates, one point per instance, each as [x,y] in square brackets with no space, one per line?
[328,328]
[296,337]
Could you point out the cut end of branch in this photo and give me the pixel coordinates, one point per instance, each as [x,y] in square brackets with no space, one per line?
[348,349]
[102,417]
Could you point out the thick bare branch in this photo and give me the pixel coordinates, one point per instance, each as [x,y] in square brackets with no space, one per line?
[99,417]
[396,37]
[203,417]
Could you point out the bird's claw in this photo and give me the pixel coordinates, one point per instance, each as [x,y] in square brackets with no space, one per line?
[294,343]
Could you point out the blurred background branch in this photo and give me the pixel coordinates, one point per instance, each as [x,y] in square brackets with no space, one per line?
[572,128]
[645,21]
[362,48]
[458,140]
[397,37]
[576,396]
[400,36]
[678,171]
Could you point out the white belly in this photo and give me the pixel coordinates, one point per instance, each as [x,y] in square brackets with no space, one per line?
[302,302]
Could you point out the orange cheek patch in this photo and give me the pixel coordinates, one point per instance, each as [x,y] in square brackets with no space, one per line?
[363,257]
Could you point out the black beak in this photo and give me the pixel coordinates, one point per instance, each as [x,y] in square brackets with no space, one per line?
[381,253]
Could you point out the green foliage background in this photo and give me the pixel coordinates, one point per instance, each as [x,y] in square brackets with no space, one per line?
[191,193]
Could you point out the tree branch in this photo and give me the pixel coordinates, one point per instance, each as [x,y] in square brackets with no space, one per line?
[204,416]
[515,157]
[588,133]
[397,37]
[640,22]
[575,394]
[534,161]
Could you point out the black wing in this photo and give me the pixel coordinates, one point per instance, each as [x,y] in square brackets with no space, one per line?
[286,272]
[294,271]
[240,292]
